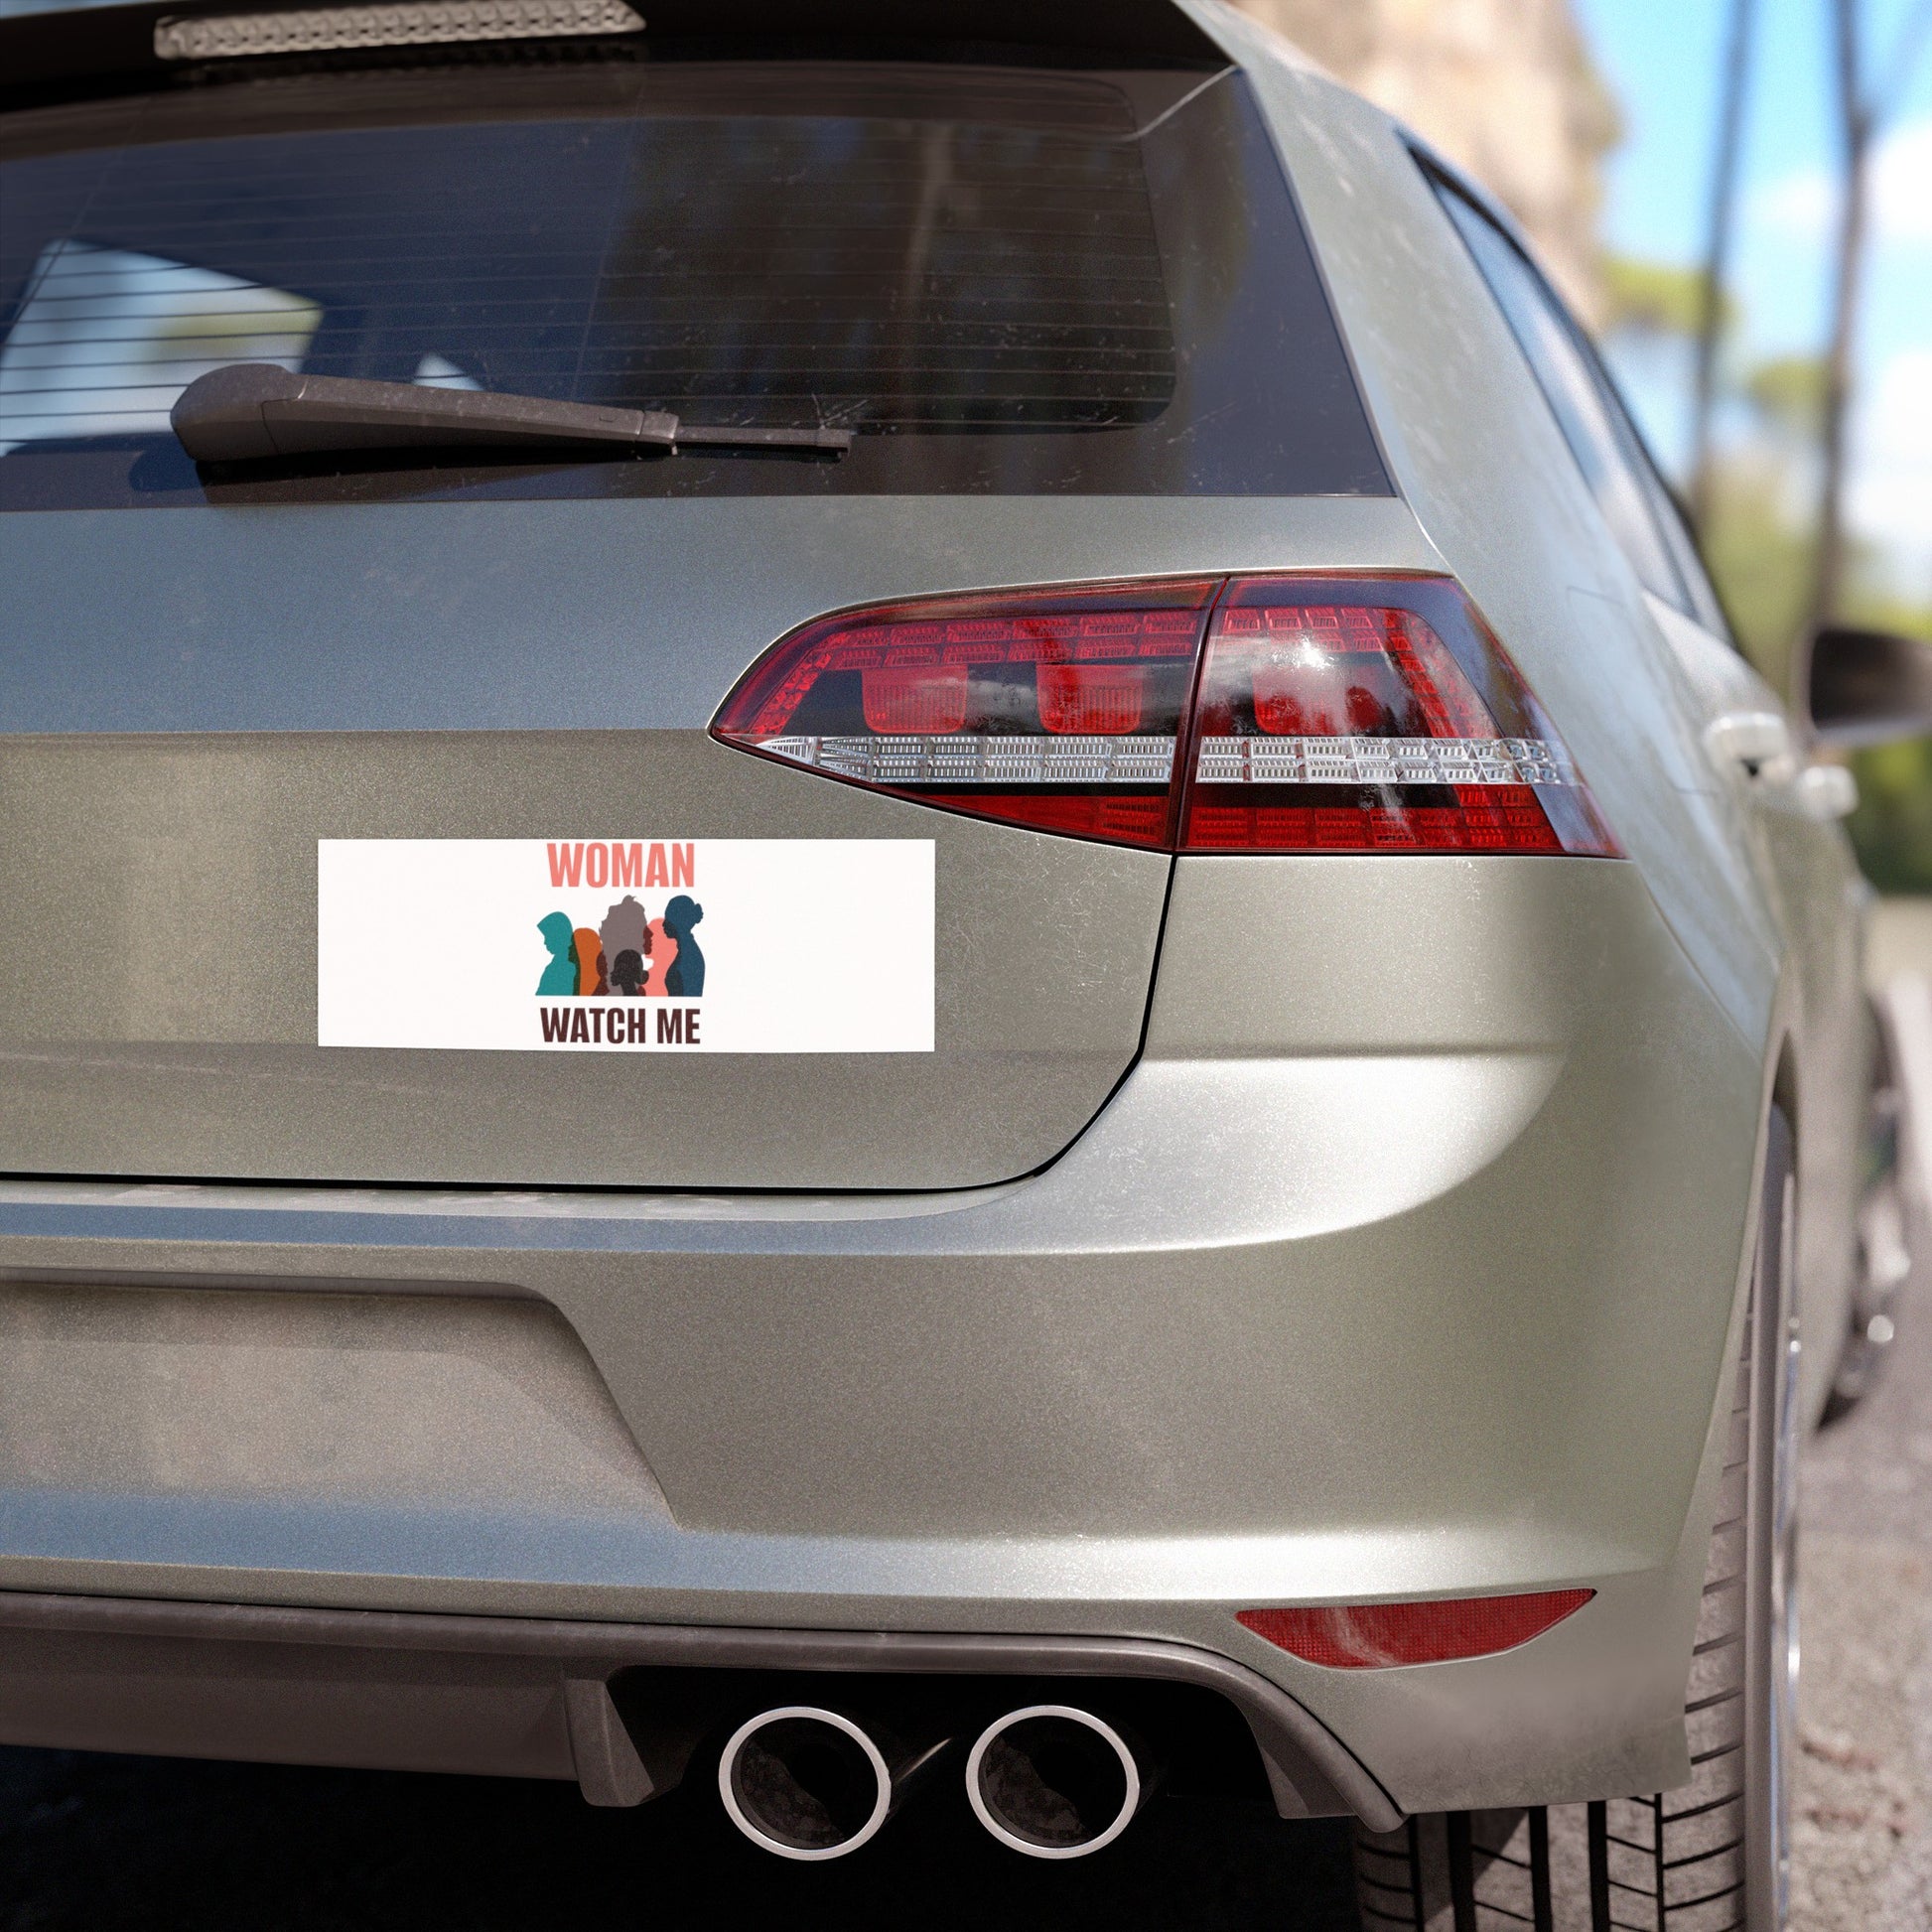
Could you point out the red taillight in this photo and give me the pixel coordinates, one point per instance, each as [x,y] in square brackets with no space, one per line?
[1263,714]
[1376,1636]
[1057,710]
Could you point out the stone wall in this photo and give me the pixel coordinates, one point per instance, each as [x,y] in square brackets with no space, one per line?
[1505,88]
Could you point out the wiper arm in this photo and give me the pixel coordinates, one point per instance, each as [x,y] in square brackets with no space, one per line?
[249,411]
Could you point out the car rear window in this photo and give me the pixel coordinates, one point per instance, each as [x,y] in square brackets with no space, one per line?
[1002,278]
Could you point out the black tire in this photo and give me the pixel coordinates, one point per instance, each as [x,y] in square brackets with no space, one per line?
[1713,1857]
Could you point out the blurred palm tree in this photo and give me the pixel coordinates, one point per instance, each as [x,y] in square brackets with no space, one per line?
[1862,107]
[1714,288]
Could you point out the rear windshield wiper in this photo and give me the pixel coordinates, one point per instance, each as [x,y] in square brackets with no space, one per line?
[249,411]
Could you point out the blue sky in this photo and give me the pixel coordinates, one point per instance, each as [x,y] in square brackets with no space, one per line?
[1661,58]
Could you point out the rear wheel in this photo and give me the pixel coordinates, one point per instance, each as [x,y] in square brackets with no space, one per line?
[1891,1229]
[1715,1855]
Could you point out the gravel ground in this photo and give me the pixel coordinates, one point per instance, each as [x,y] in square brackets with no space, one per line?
[93,1843]
[1863,1789]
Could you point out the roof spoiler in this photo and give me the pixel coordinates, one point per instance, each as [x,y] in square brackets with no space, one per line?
[59,50]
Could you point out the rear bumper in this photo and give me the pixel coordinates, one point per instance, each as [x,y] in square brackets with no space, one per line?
[1402,1265]
[539,1699]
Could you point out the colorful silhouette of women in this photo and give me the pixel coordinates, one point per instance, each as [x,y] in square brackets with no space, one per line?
[559,979]
[590,962]
[662,951]
[623,930]
[627,975]
[685,979]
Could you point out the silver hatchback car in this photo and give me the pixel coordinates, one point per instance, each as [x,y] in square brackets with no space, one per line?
[936,950]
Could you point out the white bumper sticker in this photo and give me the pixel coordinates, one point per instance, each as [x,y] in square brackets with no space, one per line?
[627,945]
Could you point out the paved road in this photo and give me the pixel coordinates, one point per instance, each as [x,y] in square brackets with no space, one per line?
[127,1845]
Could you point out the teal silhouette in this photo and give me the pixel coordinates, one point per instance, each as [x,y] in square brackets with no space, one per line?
[685,978]
[559,976]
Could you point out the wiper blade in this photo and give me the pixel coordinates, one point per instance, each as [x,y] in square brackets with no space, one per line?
[249,411]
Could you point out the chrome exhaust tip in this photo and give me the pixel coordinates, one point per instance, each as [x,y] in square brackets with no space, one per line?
[805,1783]
[1053,1781]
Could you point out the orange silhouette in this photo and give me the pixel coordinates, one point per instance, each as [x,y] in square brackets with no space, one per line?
[590,962]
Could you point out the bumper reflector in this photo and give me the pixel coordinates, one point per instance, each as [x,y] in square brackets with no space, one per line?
[1375,1636]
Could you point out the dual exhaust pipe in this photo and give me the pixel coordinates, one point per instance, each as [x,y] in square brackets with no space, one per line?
[1049,1780]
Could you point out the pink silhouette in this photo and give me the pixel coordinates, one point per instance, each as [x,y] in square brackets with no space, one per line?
[662,949]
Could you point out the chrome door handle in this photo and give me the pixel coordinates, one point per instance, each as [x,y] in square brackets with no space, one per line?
[1758,745]
[1750,739]
[1825,791]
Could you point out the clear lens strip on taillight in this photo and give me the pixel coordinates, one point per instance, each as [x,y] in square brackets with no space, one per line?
[1268,714]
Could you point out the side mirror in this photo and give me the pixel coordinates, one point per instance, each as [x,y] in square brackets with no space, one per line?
[1866,687]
